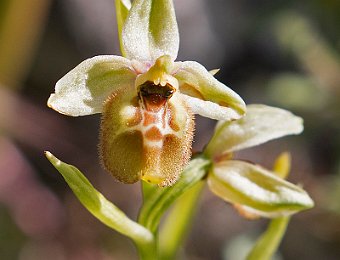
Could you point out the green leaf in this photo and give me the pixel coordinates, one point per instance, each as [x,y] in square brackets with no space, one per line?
[122,11]
[256,189]
[260,124]
[207,96]
[83,90]
[100,207]
[158,202]
[150,30]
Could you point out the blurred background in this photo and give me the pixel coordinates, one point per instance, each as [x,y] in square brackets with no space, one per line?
[280,53]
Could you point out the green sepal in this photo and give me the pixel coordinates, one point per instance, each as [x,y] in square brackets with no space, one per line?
[99,206]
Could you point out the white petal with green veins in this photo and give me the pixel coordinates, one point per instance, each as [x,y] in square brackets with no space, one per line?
[257,189]
[196,81]
[151,31]
[260,124]
[83,90]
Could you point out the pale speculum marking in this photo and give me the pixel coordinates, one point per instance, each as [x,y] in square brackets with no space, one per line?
[156,114]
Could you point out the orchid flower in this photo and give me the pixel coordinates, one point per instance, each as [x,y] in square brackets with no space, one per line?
[146,98]
[252,189]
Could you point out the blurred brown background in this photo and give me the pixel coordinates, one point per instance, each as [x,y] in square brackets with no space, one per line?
[280,53]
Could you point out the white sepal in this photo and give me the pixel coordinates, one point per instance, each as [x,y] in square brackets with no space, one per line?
[260,124]
[83,90]
[151,31]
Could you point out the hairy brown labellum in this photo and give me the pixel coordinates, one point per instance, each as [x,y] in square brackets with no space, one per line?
[146,136]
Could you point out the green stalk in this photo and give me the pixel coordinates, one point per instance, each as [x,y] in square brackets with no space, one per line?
[156,201]
[268,242]
[178,222]
[148,189]
[147,251]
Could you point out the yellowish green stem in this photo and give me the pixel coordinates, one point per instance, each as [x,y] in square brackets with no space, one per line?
[269,241]
[178,222]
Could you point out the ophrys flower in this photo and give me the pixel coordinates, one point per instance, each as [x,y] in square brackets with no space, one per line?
[252,189]
[147,99]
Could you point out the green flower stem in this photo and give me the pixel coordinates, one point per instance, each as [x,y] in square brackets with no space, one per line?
[148,189]
[104,210]
[176,225]
[162,198]
[147,251]
[269,241]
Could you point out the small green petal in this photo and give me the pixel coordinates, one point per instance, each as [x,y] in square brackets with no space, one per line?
[258,190]
[151,30]
[260,124]
[83,90]
[207,96]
